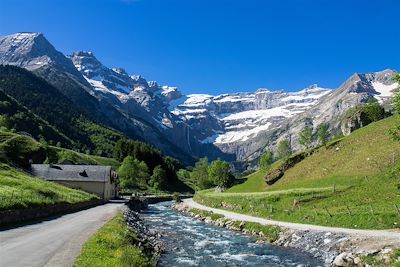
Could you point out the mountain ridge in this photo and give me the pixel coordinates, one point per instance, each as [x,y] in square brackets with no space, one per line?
[234,127]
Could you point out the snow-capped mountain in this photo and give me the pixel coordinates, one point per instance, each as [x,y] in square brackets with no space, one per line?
[241,116]
[198,119]
[236,126]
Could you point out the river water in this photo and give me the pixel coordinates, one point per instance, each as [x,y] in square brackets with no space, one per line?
[190,242]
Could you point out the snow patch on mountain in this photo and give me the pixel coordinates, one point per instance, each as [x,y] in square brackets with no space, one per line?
[235,136]
[242,116]
[385,91]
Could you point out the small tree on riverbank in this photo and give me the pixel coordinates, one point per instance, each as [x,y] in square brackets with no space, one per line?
[199,174]
[159,178]
[219,173]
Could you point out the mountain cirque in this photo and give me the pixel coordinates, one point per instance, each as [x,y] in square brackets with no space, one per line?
[237,126]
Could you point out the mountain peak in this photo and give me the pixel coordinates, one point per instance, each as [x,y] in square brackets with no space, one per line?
[120,71]
[83,54]
[30,50]
[26,35]
[86,62]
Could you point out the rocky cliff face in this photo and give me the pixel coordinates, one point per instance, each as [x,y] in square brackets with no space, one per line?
[33,52]
[236,126]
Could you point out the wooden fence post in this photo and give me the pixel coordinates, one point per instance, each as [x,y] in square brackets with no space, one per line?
[327,211]
[397,209]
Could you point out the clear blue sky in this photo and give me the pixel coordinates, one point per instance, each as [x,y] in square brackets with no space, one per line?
[217,46]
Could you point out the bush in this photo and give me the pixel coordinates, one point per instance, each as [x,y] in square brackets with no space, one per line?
[176,197]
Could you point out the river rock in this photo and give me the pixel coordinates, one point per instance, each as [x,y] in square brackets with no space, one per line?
[146,239]
[341,260]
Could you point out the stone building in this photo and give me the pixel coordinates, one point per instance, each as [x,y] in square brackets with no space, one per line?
[98,180]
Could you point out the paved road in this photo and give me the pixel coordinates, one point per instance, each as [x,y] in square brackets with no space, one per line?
[55,242]
[387,234]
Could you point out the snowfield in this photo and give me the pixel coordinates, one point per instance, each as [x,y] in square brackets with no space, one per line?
[384,90]
[221,119]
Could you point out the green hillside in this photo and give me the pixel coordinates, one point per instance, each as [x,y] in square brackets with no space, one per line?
[369,151]
[15,116]
[17,149]
[19,190]
[48,103]
[353,182]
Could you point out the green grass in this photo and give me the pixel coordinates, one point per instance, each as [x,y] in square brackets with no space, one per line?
[254,183]
[81,158]
[364,171]
[369,151]
[113,245]
[19,190]
[17,149]
[395,258]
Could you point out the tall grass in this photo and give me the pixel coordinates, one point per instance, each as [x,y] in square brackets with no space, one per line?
[19,190]
[113,245]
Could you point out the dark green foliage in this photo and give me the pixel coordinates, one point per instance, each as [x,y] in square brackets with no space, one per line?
[176,197]
[15,116]
[266,160]
[370,112]
[133,174]
[283,149]
[219,173]
[159,178]
[102,138]
[19,150]
[152,157]
[138,150]
[47,102]
[373,110]
[323,133]
[306,137]
[199,174]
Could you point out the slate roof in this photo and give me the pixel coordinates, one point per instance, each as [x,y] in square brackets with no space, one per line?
[89,173]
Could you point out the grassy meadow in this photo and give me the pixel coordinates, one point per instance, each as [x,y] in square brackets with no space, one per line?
[19,190]
[353,182]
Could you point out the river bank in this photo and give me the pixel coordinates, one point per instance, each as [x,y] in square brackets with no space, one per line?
[191,242]
[123,241]
[334,248]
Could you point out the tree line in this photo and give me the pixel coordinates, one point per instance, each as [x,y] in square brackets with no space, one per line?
[206,175]
[145,167]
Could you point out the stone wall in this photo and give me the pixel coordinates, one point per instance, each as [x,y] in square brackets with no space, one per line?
[8,217]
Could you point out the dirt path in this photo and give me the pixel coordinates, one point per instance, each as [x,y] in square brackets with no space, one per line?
[387,234]
[55,242]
